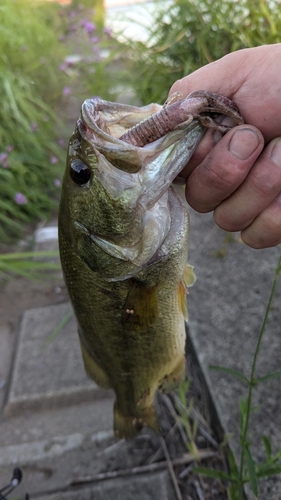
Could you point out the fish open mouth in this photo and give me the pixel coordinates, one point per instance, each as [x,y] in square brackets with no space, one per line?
[142,126]
[139,151]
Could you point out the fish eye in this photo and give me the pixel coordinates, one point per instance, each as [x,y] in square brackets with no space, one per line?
[79,172]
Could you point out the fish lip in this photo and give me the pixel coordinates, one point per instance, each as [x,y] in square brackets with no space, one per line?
[89,111]
[89,124]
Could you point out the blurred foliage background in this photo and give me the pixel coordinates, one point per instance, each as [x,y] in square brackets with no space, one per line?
[187,34]
[46,50]
[54,56]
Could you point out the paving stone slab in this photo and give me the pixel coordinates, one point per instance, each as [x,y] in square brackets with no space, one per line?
[54,463]
[155,486]
[30,427]
[49,373]
[63,466]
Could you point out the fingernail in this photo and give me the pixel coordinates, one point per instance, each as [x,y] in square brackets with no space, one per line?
[276,153]
[243,143]
[223,120]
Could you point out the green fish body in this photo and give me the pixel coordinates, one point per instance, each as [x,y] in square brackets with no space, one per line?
[123,235]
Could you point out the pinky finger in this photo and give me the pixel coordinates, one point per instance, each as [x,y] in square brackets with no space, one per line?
[265,230]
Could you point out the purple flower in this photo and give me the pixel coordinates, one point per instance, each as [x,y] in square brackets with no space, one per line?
[88,26]
[61,38]
[4,160]
[61,142]
[107,31]
[57,182]
[20,199]
[33,126]
[95,39]
[66,91]
[71,61]
[53,160]
[63,66]
[10,148]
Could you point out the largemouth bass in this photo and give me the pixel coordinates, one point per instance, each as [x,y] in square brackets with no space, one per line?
[123,236]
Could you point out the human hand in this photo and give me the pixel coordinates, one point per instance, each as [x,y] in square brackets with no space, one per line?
[235,175]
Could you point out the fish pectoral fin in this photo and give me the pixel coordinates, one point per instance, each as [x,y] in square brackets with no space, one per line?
[140,309]
[189,277]
[173,379]
[128,426]
[93,369]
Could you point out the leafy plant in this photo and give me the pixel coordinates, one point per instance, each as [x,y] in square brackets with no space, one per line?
[47,54]
[30,88]
[28,264]
[189,425]
[186,35]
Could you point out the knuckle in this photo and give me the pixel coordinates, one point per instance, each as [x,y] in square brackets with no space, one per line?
[264,183]
[218,176]
[272,226]
[264,232]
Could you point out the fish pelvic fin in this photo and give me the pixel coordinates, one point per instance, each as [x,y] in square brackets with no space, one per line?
[93,369]
[172,380]
[128,426]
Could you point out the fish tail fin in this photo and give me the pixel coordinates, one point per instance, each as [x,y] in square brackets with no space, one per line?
[128,426]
